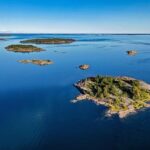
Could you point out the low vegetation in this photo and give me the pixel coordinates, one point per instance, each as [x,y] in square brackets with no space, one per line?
[23,48]
[49,41]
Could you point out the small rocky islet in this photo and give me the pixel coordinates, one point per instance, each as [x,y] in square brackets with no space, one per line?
[49,41]
[132,52]
[121,95]
[39,62]
[84,67]
[23,48]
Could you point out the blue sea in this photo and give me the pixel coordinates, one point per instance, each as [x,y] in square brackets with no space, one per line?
[36,112]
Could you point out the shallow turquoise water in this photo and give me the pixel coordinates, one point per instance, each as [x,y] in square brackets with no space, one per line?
[35,108]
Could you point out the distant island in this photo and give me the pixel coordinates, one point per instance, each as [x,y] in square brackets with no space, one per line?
[23,48]
[2,39]
[49,41]
[121,95]
[5,34]
[37,62]
[132,52]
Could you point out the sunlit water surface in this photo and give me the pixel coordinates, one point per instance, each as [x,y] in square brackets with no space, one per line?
[35,108]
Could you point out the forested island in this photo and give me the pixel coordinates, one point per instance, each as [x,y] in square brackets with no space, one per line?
[49,41]
[23,48]
[121,95]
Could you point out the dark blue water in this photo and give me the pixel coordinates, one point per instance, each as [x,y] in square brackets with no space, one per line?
[35,108]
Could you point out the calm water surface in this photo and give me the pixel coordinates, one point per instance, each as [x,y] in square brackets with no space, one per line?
[35,108]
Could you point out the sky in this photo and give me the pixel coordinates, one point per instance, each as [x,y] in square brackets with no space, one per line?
[75,16]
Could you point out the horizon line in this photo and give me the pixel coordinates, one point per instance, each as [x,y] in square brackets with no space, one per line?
[74,33]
